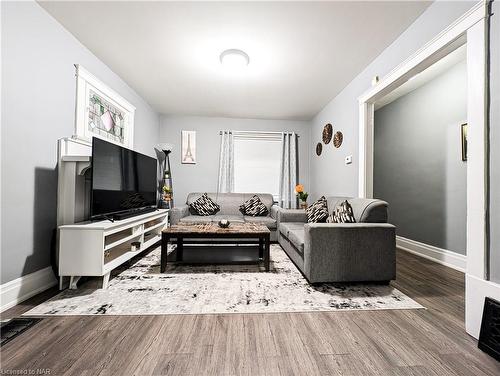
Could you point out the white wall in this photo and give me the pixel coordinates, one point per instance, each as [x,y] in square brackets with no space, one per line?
[38,105]
[202,176]
[329,174]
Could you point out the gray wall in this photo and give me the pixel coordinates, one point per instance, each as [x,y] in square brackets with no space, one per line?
[329,174]
[202,176]
[38,105]
[495,144]
[417,161]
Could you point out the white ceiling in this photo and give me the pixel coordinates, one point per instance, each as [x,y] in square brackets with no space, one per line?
[420,79]
[301,53]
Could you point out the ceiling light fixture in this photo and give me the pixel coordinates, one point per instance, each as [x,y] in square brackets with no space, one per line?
[234,59]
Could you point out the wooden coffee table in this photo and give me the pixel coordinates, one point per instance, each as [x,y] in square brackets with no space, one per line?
[238,233]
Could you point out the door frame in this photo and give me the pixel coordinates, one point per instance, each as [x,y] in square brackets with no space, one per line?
[471,29]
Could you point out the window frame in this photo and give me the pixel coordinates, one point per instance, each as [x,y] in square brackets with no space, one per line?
[259,136]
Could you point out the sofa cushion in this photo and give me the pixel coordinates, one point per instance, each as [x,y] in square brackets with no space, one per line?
[230,202]
[269,222]
[204,205]
[254,207]
[342,214]
[266,198]
[286,227]
[365,210]
[296,237]
[196,219]
[318,211]
[231,218]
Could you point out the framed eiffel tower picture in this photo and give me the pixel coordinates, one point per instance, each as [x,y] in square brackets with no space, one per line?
[188,147]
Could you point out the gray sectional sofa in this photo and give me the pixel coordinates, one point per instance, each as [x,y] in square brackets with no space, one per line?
[341,252]
[230,205]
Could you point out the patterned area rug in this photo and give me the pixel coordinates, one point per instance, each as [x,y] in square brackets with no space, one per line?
[140,289]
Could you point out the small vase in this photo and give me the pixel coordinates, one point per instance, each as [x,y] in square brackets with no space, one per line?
[303,205]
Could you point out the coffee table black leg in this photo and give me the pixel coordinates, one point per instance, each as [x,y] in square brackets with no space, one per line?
[164,252]
[180,249]
[261,248]
[267,251]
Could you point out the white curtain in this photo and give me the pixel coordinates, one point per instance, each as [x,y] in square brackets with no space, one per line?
[288,170]
[226,162]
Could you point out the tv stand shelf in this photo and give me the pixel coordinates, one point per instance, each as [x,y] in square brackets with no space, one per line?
[96,248]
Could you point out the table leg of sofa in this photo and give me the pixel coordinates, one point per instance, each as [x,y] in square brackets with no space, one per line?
[180,249]
[261,248]
[164,252]
[267,252]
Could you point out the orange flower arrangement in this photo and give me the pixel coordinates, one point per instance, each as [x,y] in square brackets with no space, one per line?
[299,188]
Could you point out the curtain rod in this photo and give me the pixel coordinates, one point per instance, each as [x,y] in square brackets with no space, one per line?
[260,132]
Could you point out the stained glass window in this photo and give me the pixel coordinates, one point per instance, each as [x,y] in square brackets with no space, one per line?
[105,119]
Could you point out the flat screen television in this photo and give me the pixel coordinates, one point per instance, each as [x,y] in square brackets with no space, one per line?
[123,181]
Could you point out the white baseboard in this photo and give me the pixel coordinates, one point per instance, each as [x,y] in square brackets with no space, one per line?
[20,289]
[441,256]
[476,289]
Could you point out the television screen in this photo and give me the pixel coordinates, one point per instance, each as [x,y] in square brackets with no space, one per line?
[122,179]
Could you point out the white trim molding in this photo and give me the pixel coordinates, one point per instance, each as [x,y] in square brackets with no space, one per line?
[470,29]
[441,256]
[20,289]
[366,144]
[476,290]
[477,286]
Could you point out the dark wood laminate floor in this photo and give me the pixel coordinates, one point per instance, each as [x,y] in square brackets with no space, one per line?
[404,342]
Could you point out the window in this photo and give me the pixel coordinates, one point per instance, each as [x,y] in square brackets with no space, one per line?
[257,159]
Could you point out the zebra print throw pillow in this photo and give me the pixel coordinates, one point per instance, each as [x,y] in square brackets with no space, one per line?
[204,206]
[254,207]
[318,211]
[342,214]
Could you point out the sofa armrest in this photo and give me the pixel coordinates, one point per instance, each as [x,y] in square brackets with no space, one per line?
[274,211]
[350,251]
[177,213]
[291,215]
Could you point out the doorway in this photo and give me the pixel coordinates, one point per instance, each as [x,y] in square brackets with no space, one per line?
[420,160]
[470,30]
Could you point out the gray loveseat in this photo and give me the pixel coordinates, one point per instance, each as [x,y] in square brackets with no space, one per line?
[341,252]
[230,205]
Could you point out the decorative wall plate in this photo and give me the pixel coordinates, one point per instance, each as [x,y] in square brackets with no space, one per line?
[319,148]
[337,139]
[327,133]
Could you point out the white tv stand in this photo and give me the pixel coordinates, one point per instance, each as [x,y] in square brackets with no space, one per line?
[96,248]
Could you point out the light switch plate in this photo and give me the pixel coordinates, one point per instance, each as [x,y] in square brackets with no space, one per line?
[348,159]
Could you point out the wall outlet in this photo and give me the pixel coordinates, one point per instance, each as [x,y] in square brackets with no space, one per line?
[348,159]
